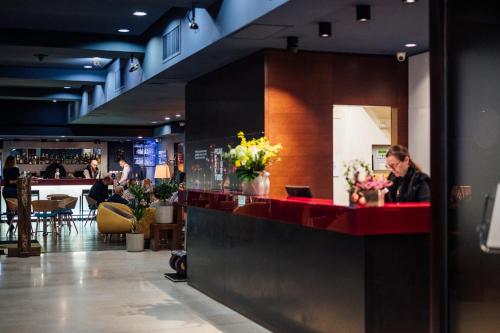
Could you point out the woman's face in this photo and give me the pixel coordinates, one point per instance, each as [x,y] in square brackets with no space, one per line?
[398,168]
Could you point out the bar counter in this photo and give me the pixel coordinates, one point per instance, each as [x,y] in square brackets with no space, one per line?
[307,265]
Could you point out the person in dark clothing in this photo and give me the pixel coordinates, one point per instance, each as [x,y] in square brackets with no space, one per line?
[10,175]
[409,183]
[51,170]
[99,191]
[117,196]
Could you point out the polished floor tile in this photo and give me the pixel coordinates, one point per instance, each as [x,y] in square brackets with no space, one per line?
[106,291]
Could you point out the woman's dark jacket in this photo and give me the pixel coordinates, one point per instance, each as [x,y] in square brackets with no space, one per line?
[415,186]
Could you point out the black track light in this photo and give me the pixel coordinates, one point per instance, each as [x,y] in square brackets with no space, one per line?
[363,13]
[192,20]
[292,43]
[325,29]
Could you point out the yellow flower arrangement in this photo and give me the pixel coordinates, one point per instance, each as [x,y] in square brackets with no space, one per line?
[252,156]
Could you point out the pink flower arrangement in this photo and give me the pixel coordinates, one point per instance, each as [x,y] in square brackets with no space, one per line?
[360,179]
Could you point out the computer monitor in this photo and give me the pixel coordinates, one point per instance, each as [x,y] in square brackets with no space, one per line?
[298,191]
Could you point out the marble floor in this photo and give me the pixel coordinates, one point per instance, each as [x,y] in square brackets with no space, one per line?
[106,291]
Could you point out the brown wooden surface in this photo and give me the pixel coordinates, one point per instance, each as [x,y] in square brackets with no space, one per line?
[300,91]
[159,235]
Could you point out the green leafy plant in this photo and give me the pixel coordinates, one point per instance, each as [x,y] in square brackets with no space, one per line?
[138,205]
[164,190]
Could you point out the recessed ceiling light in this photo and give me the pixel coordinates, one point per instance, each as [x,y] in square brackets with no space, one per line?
[123,30]
[63,136]
[139,137]
[140,13]
[411,45]
[178,115]
[363,13]
[325,29]
[67,87]
[87,66]
[154,122]
[410,1]
[167,118]
[54,101]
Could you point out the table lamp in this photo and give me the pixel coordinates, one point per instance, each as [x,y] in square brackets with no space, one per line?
[162,171]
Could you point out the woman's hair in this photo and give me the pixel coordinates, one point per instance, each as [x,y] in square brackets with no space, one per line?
[401,152]
[10,162]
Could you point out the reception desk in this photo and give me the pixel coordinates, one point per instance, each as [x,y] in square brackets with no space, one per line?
[307,265]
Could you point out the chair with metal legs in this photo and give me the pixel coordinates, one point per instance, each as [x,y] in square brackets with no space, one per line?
[65,212]
[11,212]
[45,210]
[92,203]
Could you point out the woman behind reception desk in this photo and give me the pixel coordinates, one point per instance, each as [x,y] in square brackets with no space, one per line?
[409,183]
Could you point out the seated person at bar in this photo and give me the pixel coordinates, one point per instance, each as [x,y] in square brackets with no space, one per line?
[409,183]
[117,196]
[99,191]
[51,170]
[92,171]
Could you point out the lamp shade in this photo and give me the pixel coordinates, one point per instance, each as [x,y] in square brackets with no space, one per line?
[162,171]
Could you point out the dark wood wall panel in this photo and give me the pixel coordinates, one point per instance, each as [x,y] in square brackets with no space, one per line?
[300,91]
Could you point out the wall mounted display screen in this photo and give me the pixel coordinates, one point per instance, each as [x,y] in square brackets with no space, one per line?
[145,153]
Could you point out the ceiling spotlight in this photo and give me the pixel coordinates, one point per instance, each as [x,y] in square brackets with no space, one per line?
[133,64]
[87,66]
[123,30]
[363,13]
[411,45]
[192,20]
[54,101]
[154,122]
[96,61]
[325,29]
[140,13]
[409,1]
[167,118]
[178,115]
[139,137]
[292,43]
[67,87]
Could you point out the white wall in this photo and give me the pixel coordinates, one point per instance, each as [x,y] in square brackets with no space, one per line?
[419,110]
[354,133]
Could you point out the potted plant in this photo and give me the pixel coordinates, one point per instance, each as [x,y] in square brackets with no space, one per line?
[135,238]
[165,210]
[365,188]
[249,160]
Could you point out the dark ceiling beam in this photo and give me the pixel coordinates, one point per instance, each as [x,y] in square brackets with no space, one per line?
[99,44]
[48,94]
[87,76]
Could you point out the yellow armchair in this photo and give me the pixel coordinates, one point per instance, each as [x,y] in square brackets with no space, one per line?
[114,218]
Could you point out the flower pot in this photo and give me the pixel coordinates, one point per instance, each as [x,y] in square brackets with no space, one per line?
[164,214]
[135,242]
[260,185]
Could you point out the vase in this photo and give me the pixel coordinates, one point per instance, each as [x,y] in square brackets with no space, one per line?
[374,198]
[135,242]
[260,185]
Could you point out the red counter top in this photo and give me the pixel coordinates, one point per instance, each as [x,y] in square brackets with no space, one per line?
[58,182]
[324,214]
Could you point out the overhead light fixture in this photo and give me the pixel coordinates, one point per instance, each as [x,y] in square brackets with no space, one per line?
[325,29]
[87,66]
[167,118]
[96,61]
[139,137]
[178,115]
[140,13]
[409,1]
[192,20]
[154,122]
[123,30]
[133,64]
[411,45]
[54,101]
[40,56]
[292,43]
[67,87]
[363,13]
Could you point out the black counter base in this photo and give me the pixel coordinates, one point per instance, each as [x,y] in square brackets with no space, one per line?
[290,278]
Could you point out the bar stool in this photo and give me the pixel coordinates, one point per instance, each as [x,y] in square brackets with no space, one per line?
[45,210]
[65,212]
[92,210]
[11,211]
